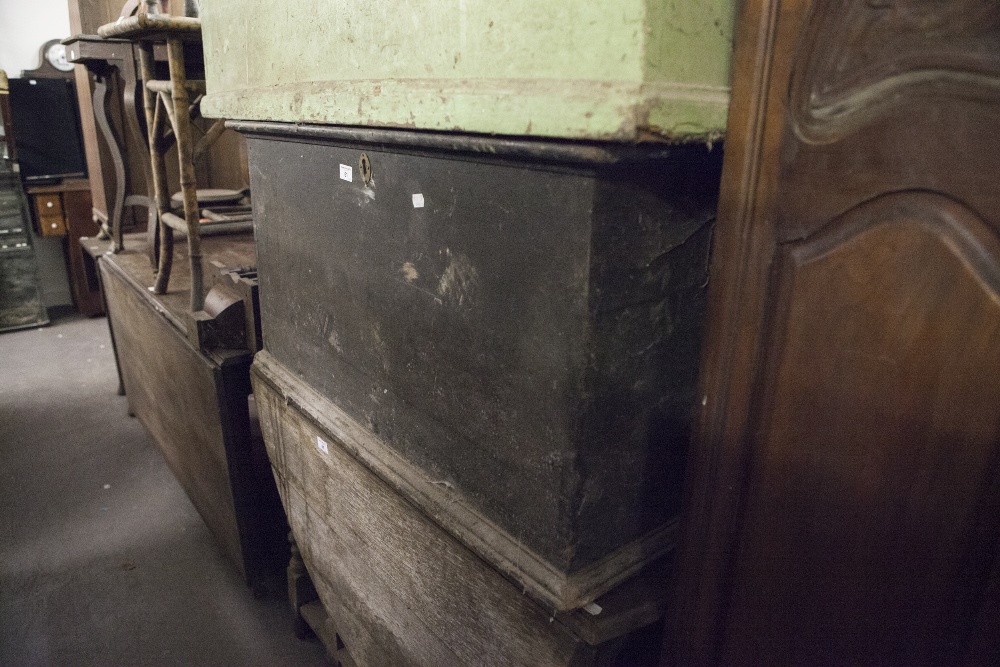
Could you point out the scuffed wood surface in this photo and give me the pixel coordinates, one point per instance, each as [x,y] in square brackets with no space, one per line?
[218,251]
[171,388]
[624,70]
[528,338]
[400,589]
[194,405]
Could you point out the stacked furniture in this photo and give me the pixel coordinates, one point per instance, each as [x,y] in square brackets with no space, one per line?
[183,317]
[50,156]
[482,235]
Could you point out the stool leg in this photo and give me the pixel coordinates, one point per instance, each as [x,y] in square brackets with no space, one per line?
[154,125]
[185,155]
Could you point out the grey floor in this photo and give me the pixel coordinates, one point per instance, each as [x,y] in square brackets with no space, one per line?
[103,560]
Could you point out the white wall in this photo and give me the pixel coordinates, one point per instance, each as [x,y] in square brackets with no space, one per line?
[24,26]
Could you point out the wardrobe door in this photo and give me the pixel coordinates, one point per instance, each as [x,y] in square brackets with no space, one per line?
[844,496]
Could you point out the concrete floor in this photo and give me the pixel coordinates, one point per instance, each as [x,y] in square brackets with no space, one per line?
[103,560]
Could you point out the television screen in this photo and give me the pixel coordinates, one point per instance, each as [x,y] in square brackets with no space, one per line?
[45,123]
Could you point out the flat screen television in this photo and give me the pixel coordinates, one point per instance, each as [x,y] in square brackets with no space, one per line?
[45,123]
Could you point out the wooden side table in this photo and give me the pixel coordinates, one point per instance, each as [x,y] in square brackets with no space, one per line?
[107,59]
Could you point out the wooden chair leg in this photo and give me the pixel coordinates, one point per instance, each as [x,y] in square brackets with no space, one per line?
[185,156]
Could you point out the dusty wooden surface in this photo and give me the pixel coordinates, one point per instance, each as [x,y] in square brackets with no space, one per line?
[402,590]
[623,70]
[219,251]
[172,390]
[528,335]
[194,405]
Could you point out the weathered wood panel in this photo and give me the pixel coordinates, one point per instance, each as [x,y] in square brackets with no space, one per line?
[619,70]
[520,320]
[194,405]
[171,388]
[401,590]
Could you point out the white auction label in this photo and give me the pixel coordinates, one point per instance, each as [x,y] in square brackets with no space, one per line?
[418,200]
[322,446]
[346,173]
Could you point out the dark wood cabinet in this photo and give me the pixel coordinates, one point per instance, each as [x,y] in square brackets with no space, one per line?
[489,342]
[81,225]
[20,292]
[844,504]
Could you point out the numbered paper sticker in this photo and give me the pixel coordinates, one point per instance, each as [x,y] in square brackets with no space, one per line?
[346,173]
[322,446]
[418,200]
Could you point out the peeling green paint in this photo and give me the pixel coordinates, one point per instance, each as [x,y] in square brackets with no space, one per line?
[617,69]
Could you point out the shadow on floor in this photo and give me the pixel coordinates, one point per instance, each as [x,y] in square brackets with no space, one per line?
[103,560]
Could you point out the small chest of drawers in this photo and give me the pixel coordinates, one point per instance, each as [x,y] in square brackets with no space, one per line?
[64,210]
[49,214]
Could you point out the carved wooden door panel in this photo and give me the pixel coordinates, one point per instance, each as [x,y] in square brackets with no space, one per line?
[844,504]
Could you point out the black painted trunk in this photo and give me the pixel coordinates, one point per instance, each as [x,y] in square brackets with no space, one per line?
[521,320]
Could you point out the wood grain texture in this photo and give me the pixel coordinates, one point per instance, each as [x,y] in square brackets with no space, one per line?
[402,590]
[866,509]
[172,390]
[194,405]
[844,495]
[86,295]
